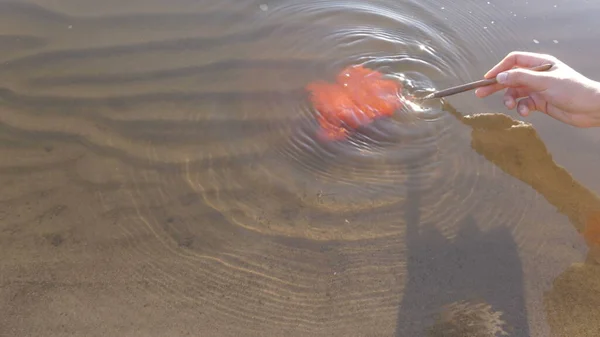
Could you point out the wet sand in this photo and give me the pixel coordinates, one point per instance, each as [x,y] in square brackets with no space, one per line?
[142,195]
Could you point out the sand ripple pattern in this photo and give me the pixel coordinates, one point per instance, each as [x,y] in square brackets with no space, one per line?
[242,122]
[191,144]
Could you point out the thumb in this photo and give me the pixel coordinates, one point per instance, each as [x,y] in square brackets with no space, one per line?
[532,80]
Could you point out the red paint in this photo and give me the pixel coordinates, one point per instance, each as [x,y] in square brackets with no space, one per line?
[359,96]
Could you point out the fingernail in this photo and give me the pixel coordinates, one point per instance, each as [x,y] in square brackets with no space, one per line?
[523,110]
[501,78]
[477,92]
[507,103]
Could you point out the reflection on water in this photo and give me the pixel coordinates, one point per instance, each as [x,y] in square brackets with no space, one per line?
[500,139]
[161,176]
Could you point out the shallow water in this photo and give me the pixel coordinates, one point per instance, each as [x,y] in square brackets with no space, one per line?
[161,174]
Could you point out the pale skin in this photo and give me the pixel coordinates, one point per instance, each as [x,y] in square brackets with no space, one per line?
[561,92]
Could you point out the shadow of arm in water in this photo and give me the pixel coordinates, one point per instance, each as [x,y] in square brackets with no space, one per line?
[473,285]
[516,148]
[470,285]
[573,304]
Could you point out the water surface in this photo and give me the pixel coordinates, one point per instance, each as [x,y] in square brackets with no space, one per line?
[161,174]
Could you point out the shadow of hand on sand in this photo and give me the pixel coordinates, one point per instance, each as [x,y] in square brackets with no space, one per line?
[486,266]
[573,303]
[470,285]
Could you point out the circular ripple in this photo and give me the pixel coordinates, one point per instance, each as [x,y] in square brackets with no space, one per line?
[241,133]
[248,144]
[296,185]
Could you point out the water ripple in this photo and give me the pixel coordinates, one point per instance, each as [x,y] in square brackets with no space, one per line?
[197,139]
[375,167]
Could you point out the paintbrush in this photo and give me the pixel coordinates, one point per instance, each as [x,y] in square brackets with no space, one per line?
[474,85]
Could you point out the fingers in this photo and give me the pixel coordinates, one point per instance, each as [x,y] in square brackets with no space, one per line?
[514,78]
[489,89]
[512,94]
[525,106]
[532,80]
[510,73]
[535,103]
[520,59]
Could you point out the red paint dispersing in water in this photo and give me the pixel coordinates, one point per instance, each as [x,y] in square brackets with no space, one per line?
[359,96]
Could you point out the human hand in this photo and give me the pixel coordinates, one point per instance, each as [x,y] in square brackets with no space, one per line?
[560,92]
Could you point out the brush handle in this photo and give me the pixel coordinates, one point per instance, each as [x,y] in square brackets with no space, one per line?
[476,84]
